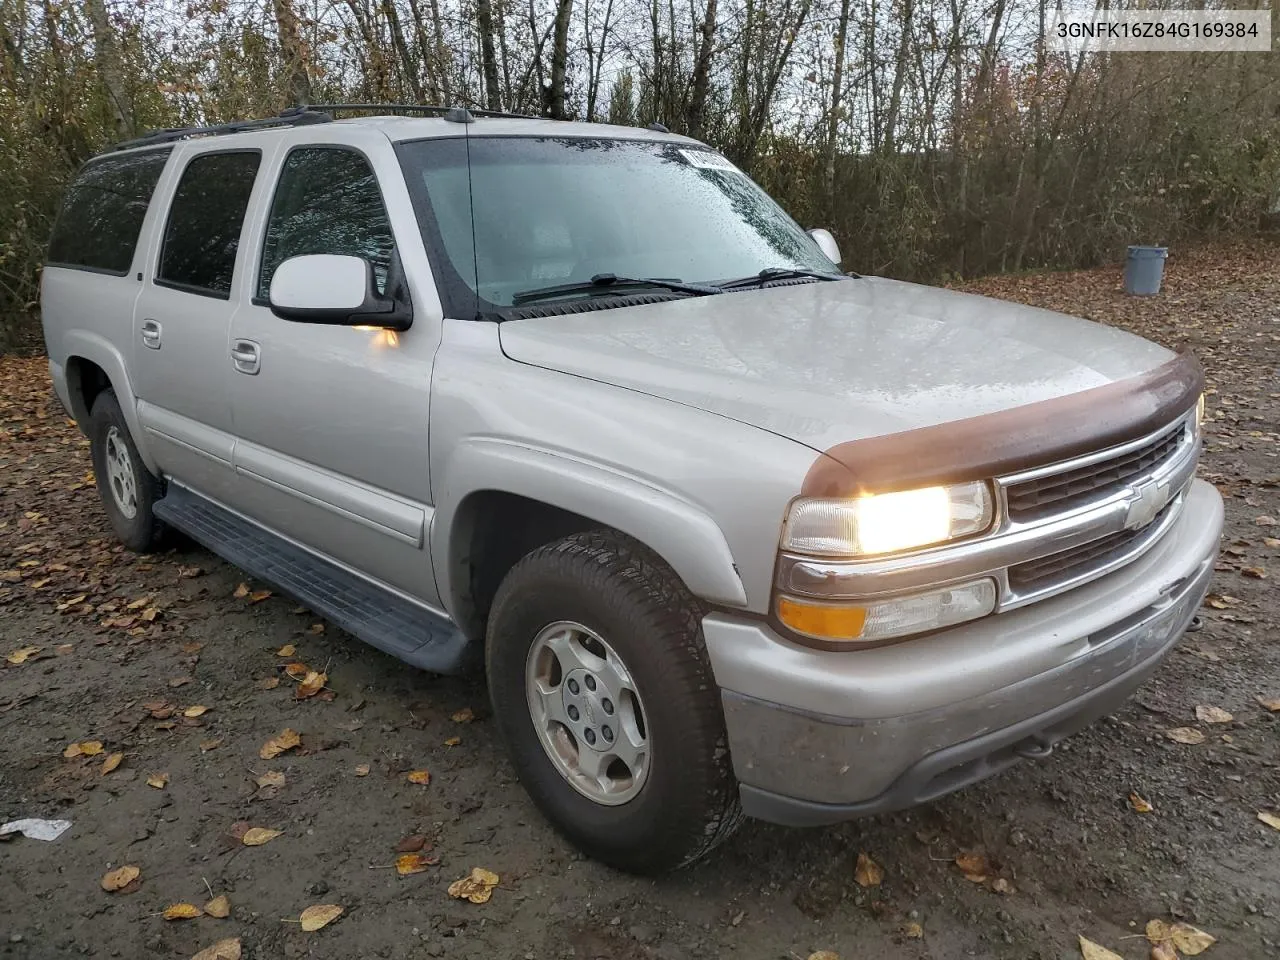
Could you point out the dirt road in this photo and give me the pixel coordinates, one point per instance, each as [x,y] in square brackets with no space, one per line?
[127,645]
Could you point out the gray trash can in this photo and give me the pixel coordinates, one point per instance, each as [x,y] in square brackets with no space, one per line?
[1143,270]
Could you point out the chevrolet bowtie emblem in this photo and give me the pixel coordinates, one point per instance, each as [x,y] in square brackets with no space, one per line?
[1145,504]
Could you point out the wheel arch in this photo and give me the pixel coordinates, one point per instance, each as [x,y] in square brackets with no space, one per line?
[504,499]
[93,364]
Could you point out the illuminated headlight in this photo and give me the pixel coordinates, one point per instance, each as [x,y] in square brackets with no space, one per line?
[887,522]
[871,621]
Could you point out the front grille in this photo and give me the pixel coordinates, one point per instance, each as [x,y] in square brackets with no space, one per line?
[1060,492]
[1059,567]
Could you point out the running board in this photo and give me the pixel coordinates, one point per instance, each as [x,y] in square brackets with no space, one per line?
[377,616]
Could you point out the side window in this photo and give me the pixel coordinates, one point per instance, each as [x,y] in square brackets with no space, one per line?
[102,214]
[203,232]
[327,201]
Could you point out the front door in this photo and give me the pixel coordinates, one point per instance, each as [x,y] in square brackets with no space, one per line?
[182,319]
[330,421]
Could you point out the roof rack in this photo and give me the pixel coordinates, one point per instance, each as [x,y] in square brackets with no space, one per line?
[455,114]
[310,113]
[293,117]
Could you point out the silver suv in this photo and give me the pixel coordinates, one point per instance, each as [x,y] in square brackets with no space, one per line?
[731,531]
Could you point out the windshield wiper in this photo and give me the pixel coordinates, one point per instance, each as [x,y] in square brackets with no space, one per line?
[777,273]
[608,282]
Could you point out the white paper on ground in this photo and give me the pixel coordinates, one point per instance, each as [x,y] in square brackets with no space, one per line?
[37,829]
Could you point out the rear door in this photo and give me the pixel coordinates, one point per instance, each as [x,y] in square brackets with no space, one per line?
[331,422]
[182,319]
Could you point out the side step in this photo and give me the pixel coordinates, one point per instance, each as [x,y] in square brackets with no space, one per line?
[382,619]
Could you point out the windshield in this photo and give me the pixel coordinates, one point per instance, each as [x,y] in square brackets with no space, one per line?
[554,211]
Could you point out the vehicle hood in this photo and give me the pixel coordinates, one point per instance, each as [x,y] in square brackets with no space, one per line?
[828,362]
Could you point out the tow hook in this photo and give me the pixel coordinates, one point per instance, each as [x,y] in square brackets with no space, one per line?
[1196,624]
[1035,747]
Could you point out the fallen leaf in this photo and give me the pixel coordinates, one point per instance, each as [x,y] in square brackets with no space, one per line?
[198,710]
[315,917]
[1002,886]
[182,911]
[296,670]
[476,886]
[228,949]
[85,748]
[1270,703]
[288,650]
[111,763]
[913,931]
[1140,804]
[241,591]
[21,655]
[1182,936]
[422,777]
[257,836]
[412,843]
[1163,951]
[207,745]
[189,573]
[219,907]
[158,780]
[824,955]
[973,865]
[1270,819]
[287,739]
[272,778]
[316,629]
[409,863]
[362,769]
[75,602]
[866,872]
[138,604]
[1188,735]
[113,880]
[453,741]
[269,683]
[1213,714]
[259,595]
[150,614]
[311,684]
[465,715]
[179,681]
[1265,521]
[1254,573]
[1093,951]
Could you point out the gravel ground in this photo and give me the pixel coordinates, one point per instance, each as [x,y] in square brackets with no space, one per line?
[127,644]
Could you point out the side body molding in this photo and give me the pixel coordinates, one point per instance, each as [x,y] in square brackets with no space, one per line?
[681,533]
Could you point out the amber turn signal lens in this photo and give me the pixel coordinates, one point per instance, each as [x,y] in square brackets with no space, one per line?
[820,620]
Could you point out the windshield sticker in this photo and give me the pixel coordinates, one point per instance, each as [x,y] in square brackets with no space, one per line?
[706,160]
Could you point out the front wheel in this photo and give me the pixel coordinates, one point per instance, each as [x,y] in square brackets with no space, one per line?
[603,692]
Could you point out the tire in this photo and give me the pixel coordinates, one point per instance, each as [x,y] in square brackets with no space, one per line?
[127,488]
[684,801]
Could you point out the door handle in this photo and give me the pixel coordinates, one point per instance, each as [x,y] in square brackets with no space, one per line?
[247,356]
[150,331]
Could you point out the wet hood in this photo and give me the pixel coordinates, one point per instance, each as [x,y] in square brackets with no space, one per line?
[828,362]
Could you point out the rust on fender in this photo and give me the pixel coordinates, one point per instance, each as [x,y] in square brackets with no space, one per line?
[995,444]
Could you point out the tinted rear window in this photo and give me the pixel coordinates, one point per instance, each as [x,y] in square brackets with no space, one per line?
[203,232]
[102,214]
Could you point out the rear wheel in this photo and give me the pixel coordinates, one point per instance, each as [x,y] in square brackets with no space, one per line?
[602,689]
[127,488]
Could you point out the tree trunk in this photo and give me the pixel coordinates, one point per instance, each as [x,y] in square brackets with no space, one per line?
[442,53]
[488,55]
[899,75]
[833,112]
[411,69]
[696,117]
[559,61]
[106,55]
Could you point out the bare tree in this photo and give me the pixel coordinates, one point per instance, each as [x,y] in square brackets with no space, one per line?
[106,54]
[553,98]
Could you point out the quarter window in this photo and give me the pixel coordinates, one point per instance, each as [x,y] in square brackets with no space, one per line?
[327,201]
[102,215]
[205,219]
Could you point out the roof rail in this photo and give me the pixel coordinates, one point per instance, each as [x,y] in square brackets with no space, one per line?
[456,114]
[293,117]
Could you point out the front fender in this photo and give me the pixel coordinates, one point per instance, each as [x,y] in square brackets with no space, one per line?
[684,535]
[85,345]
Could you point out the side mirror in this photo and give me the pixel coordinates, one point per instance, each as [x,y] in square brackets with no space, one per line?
[336,290]
[826,243]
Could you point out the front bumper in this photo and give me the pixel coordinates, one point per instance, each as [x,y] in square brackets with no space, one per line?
[819,737]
